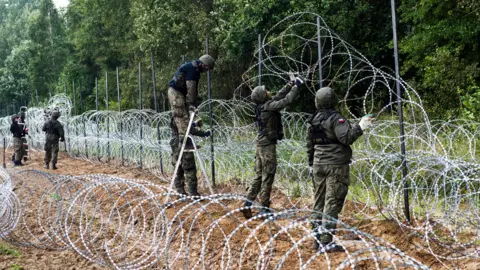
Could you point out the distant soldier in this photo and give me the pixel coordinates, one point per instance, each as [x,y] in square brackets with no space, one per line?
[54,133]
[18,132]
[270,131]
[182,92]
[329,153]
[187,168]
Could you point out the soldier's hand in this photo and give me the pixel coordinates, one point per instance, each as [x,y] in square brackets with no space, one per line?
[310,170]
[193,109]
[62,139]
[366,121]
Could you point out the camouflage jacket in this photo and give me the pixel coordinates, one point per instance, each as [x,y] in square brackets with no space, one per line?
[329,138]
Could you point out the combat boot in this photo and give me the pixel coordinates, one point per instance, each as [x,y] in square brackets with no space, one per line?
[247,212]
[193,191]
[17,163]
[181,191]
[265,212]
[46,166]
[54,167]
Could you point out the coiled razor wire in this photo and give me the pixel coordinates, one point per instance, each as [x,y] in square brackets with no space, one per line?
[442,156]
[124,224]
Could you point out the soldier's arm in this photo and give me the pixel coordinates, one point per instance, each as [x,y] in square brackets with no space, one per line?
[283,92]
[61,133]
[45,127]
[310,146]
[191,97]
[278,105]
[346,133]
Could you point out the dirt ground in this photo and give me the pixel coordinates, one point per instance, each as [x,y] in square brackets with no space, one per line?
[35,258]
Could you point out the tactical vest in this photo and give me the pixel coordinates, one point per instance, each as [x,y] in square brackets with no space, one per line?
[269,123]
[316,130]
[51,128]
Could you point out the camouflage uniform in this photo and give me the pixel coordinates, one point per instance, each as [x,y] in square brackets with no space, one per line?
[54,130]
[328,146]
[18,132]
[269,121]
[182,95]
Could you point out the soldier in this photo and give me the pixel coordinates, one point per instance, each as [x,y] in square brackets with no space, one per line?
[182,92]
[54,130]
[328,147]
[18,132]
[187,168]
[270,130]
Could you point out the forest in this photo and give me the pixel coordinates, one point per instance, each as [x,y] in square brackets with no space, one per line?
[50,51]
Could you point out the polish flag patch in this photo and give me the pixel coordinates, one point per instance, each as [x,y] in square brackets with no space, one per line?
[341,120]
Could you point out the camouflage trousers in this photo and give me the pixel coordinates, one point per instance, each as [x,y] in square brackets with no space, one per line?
[265,168]
[330,185]
[18,148]
[51,152]
[187,169]
[179,110]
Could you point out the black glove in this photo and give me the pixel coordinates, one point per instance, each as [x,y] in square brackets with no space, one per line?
[207,134]
[62,139]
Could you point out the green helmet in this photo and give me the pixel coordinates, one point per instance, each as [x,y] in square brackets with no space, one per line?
[325,98]
[15,116]
[207,60]
[259,94]
[55,114]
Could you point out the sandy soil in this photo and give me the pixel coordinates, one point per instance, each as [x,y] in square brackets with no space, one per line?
[35,258]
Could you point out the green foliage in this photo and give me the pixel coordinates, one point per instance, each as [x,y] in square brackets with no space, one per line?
[442,51]
[6,250]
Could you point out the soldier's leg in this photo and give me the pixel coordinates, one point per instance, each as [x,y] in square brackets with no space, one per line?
[319,189]
[54,154]
[179,110]
[269,157]
[338,180]
[190,169]
[257,181]
[17,146]
[48,152]
[179,181]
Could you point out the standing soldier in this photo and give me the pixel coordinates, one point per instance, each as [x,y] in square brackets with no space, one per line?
[187,168]
[18,132]
[270,130]
[328,147]
[54,130]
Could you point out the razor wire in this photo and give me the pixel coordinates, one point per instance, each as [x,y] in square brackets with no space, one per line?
[442,156]
[126,224]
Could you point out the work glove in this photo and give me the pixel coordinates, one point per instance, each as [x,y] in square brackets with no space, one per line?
[203,134]
[26,130]
[310,170]
[62,139]
[366,121]
[292,78]
[197,123]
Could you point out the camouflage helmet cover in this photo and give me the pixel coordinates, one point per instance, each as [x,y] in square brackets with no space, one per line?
[325,98]
[207,60]
[259,94]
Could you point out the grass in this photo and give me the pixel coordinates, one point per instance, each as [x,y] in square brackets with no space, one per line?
[16,267]
[6,250]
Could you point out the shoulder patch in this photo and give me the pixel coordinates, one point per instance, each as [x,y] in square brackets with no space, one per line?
[341,120]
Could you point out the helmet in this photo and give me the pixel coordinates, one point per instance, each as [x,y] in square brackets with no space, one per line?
[15,116]
[56,114]
[207,60]
[258,94]
[23,108]
[325,98]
